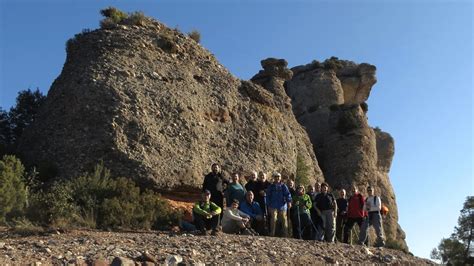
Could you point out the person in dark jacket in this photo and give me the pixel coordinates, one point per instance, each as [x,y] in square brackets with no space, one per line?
[216,184]
[259,191]
[251,182]
[341,217]
[206,214]
[326,208]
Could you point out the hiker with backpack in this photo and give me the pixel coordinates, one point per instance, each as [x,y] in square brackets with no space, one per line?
[206,214]
[278,202]
[373,206]
[355,213]
[341,217]
[326,208]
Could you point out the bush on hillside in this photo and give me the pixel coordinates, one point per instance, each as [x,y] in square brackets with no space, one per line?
[348,121]
[115,15]
[302,176]
[52,206]
[97,200]
[135,18]
[333,63]
[195,35]
[12,188]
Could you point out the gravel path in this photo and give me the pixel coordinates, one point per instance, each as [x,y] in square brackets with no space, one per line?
[82,247]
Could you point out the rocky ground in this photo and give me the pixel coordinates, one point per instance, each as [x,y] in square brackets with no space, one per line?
[84,247]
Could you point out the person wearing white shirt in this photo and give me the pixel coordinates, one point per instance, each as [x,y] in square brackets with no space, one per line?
[372,205]
[235,221]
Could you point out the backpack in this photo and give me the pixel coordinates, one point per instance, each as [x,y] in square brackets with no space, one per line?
[383,207]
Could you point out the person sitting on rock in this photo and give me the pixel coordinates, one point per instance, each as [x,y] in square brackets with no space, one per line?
[301,219]
[326,208]
[206,214]
[253,210]
[236,221]
[373,205]
[341,217]
[216,184]
[235,190]
[355,213]
[278,202]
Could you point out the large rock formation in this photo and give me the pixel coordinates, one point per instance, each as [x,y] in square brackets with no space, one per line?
[329,100]
[155,106]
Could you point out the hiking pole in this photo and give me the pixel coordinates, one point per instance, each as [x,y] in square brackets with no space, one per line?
[299,219]
[265,215]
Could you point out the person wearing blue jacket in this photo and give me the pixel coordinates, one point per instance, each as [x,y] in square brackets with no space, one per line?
[252,209]
[278,201]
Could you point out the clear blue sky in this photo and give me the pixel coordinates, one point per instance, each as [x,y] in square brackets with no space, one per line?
[423,51]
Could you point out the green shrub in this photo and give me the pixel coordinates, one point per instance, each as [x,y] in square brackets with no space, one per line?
[130,208]
[348,121]
[12,187]
[53,206]
[115,15]
[302,176]
[24,227]
[195,35]
[333,63]
[107,23]
[97,200]
[167,43]
[136,18]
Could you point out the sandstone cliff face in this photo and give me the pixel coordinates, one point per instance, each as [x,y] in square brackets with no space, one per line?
[329,100]
[157,107]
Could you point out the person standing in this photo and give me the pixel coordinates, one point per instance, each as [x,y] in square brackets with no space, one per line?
[355,213]
[216,184]
[373,205]
[278,202]
[251,182]
[206,214]
[326,208]
[342,204]
[235,190]
[301,219]
[260,189]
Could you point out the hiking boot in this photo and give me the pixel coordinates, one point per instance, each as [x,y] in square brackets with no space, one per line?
[246,232]
[254,233]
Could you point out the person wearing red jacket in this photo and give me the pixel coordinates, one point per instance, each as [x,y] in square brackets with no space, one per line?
[355,213]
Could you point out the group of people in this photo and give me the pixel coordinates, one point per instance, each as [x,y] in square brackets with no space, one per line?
[261,207]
